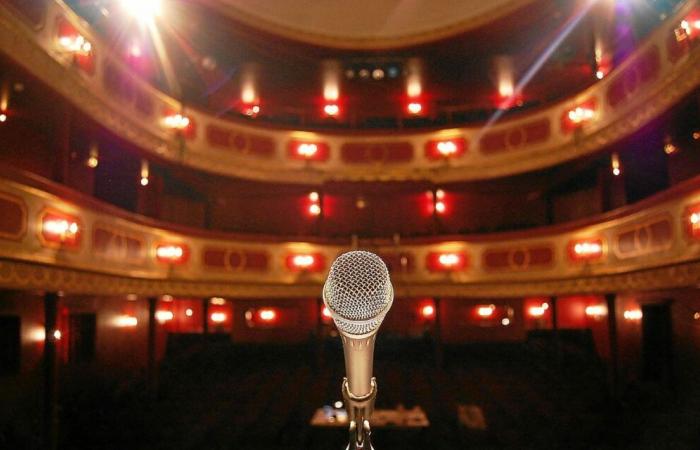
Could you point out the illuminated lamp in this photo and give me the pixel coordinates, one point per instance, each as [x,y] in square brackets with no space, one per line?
[615,164]
[692,221]
[60,229]
[325,314]
[440,207]
[331,109]
[189,312]
[163,316]
[599,74]
[145,172]
[217,301]
[57,335]
[578,116]
[3,117]
[427,311]
[251,109]
[93,156]
[305,262]
[446,261]
[633,314]
[172,253]
[176,121]
[414,108]
[143,10]
[266,314]
[485,311]
[596,311]
[536,311]
[218,317]
[669,147]
[73,43]
[585,250]
[308,151]
[445,148]
[315,209]
[505,321]
[126,321]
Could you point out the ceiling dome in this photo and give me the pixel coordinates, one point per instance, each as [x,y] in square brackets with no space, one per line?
[366,24]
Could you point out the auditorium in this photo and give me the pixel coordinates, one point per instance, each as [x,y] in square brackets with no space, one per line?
[368,224]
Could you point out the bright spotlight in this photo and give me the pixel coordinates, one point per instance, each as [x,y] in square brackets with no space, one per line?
[143,10]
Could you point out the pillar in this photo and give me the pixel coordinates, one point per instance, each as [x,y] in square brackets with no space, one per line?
[50,363]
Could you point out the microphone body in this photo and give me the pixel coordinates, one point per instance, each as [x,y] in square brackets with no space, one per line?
[358,293]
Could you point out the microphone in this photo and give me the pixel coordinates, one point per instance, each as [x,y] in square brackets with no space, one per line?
[358,293]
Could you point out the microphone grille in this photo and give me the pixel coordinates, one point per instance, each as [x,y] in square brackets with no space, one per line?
[358,292]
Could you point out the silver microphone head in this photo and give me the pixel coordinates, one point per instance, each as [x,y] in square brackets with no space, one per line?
[358,292]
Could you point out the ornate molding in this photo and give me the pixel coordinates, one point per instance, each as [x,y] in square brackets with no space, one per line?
[654,246]
[673,76]
[29,276]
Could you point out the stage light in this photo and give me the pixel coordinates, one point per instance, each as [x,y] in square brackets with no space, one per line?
[633,314]
[596,311]
[143,10]
[189,312]
[485,311]
[163,316]
[218,317]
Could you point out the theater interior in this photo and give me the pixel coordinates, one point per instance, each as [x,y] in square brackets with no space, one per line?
[178,176]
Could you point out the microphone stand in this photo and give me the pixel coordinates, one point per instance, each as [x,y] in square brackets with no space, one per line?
[359,412]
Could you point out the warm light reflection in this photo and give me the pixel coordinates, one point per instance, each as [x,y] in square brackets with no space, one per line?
[325,312]
[596,311]
[163,316]
[303,261]
[615,164]
[143,10]
[633,314]
[485,311]
[449,259]
[176,121]
[218,317]
[267,314]
[126,321]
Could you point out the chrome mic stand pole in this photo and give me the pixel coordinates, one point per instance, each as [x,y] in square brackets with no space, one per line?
[359,412]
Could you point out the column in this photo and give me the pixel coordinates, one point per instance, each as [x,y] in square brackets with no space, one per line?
[50,363]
